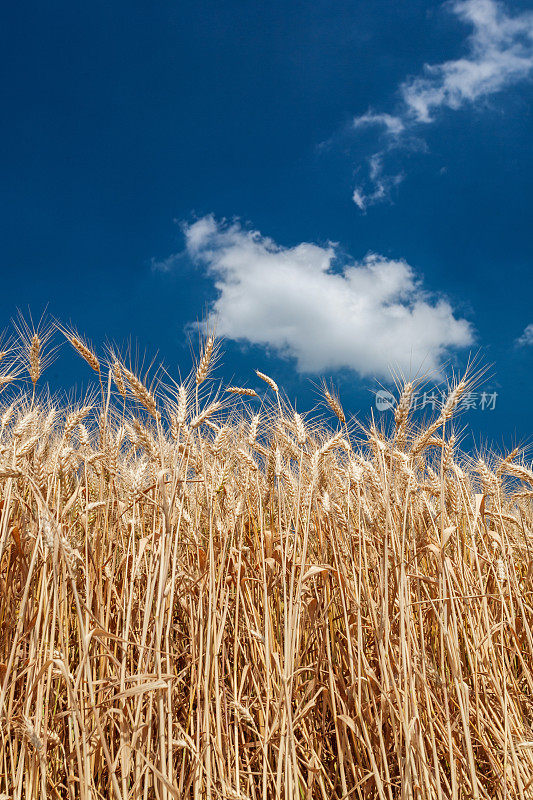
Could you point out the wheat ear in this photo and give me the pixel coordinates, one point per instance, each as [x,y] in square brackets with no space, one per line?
[141,393]
[273,385]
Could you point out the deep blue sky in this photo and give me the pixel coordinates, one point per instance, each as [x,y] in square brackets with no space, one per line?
[122,119]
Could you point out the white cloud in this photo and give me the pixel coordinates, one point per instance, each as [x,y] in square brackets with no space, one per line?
[381,184]
[369,316]
[499,54]
[392,124]
[526,340]
[165,264]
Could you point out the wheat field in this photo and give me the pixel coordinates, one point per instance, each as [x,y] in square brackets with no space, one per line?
[204,594]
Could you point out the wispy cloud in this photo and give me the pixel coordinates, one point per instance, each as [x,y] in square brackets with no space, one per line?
[166,264]
[498,54]
[380,182]
[368,315]
[526,340]
[392,124]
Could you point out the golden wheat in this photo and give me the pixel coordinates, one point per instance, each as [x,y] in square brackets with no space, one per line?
[211,603]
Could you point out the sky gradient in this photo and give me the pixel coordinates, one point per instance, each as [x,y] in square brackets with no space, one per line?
[345,186]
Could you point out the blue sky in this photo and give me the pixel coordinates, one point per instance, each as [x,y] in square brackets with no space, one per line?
[346,186]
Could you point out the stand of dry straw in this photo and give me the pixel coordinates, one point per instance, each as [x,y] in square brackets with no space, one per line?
[206,598]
